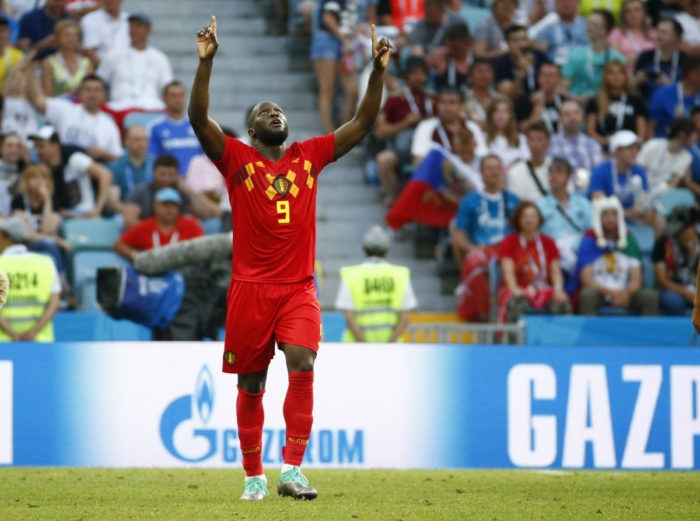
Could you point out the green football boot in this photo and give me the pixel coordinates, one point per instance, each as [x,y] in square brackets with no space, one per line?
[255,489]
[294,484]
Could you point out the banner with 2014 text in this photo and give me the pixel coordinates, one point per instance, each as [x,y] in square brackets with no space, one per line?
[142,404]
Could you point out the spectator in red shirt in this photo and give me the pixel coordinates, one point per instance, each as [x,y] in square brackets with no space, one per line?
[532,276]
[165,227]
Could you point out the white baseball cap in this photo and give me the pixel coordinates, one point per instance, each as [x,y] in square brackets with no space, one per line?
[376,238]
[622,139]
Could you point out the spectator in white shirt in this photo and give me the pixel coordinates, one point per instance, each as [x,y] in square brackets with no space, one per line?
[666,161]
[104,30]
[529,179]
[137,73]
[83,125]
[502,137]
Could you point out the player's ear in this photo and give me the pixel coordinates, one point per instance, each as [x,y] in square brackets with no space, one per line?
[251,133]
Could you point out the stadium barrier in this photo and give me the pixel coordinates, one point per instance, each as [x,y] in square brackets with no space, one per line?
[142,404]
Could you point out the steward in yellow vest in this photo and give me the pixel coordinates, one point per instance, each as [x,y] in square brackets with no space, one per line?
[35,288]
[375,295]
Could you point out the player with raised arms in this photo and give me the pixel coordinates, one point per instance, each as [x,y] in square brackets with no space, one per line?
[272,297]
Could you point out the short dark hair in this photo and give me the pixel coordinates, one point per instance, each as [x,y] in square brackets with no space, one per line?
[561,164]
[480,61]
[450,90]
[550,64]
[677,27]
[458,31]
[515,28]
[4,22]
[680,125]
[514,218]
[174,83]
[608,18]
[167,160]
[93,77]
[537,126]
[692,63]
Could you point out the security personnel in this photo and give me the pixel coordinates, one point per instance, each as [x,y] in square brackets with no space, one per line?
[376,296]
[35,288]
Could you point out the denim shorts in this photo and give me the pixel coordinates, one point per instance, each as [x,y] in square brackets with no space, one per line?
[325,46]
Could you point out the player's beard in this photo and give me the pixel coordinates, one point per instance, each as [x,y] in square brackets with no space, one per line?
[273,138]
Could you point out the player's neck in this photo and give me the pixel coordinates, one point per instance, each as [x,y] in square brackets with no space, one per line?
[271,153]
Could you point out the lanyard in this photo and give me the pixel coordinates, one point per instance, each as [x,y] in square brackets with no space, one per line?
[477,106]
[156,238]
[129,173]
[452,70]
[622,191]
[413,105]
[681,110]
[443,136]
[589,61]
[485,218]
[633,40]
[438,36]
[561,30]
[620,113]
[674,64]
[546,114]
[537,271]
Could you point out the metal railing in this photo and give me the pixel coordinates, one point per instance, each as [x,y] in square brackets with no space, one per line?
[467,333]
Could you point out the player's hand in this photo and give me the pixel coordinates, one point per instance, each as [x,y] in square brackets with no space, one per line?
[381,51]
[207,43]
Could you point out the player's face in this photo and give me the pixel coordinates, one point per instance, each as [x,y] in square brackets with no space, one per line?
[270,125]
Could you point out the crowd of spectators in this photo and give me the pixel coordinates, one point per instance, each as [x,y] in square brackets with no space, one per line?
[578,119]
[72,75]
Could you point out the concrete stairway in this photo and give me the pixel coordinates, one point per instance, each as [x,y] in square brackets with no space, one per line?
[251,67]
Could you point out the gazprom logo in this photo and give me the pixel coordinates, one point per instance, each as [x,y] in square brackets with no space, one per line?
[178,425]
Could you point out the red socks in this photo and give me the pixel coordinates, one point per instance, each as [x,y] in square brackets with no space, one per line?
[250,414]
[298,409]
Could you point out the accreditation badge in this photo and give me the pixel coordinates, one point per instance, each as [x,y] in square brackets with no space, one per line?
[281,185]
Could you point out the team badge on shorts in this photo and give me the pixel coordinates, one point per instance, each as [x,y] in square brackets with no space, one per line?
[230,357]
[281,185]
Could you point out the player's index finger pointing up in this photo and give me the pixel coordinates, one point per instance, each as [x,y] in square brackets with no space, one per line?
[213,24]
[374,36]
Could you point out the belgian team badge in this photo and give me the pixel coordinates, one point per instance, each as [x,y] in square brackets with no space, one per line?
[230,357]
[281,185]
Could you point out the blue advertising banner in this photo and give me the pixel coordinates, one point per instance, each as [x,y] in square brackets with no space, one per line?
[381,405]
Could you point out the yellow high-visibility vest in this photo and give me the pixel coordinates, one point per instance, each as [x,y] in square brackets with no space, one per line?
[31,278]
[377,291]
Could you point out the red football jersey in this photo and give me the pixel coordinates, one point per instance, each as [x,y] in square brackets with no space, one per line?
[273,207]
[145,234]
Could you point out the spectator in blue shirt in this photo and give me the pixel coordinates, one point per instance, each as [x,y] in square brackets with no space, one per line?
[173,134]
[567,215]
[675,100]
[623,178]
[133,168]
[566,30]
[36,28]
[482,217]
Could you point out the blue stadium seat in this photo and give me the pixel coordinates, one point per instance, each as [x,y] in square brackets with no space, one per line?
[668,200]
[648,273]
[91,234]
[644,235]
[85,264]
[140,118]
[474,15]
[212,225]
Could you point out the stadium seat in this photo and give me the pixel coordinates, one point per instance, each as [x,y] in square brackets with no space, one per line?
[91,234]
[644,235]
[474,15]
[85,264]
[140,118]
[648,273]
[212,225]
[668,200]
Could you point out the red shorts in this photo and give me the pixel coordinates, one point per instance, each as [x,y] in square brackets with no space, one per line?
[260,314]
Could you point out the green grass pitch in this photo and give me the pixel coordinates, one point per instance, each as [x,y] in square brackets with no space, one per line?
[66,494]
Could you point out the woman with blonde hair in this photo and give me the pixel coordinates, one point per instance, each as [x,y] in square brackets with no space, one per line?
[63,71]
[502,137]
[634,35]
[615,107]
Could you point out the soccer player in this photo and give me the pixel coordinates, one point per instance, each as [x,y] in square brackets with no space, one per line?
[272,298]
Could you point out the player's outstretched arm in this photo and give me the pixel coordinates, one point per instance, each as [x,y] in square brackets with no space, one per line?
[208,131]
[354,131]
